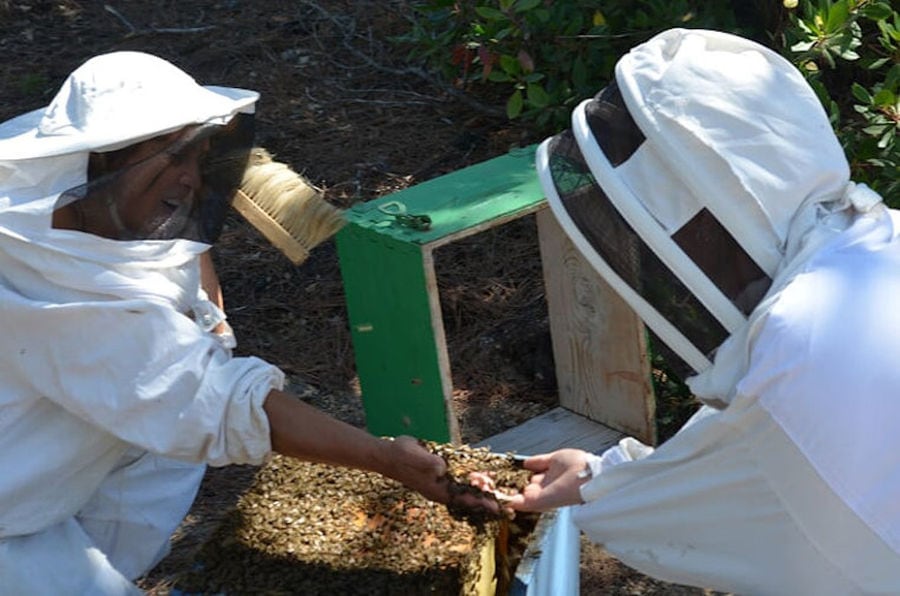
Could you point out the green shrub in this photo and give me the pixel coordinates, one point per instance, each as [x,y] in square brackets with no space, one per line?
[543,57]
[546,55]
[850,53]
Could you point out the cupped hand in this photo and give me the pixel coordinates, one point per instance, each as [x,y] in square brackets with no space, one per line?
[555,483]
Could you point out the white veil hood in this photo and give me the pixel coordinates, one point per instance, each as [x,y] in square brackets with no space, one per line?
[749,135]
[109,102]
[706,145]
[88,321]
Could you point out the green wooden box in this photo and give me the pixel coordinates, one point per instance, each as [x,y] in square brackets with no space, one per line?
[391,291]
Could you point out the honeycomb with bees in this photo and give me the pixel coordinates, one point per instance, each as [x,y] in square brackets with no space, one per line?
[314,529]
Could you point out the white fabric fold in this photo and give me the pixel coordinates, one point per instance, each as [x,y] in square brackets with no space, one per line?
[730,504]
[816,223]
[828,385]
[85,379]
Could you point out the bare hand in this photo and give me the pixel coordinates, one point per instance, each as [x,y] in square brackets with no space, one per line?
[555,483]
[426,473]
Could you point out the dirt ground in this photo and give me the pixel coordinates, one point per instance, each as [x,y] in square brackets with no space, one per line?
[341,104]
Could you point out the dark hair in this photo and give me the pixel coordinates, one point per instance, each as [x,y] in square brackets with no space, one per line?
[100,164]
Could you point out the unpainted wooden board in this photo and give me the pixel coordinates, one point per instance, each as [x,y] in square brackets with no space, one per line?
[599,343]
[553,430]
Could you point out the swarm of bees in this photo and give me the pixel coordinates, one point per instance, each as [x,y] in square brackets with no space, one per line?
[313,529]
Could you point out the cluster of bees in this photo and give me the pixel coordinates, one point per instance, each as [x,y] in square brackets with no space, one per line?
[313,529]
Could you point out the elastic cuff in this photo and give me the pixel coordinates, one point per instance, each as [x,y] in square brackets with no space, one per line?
[593,467]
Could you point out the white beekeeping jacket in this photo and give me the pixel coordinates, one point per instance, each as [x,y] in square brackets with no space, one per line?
[97,351]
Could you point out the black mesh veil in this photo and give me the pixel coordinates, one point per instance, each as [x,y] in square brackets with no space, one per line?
[636,263]
[703,238]
[616,243]
[177,185]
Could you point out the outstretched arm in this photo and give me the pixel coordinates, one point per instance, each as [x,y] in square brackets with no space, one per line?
[302,431]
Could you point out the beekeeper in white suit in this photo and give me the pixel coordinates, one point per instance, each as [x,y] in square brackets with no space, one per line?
[705,184]
[113,389]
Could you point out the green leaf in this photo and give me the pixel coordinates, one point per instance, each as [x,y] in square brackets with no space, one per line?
[877,11]
[892,79]
[504,33]
[876,130]
[526,5]
[861,93]
[537,96]
[491,14]
[510,64]
[884,98]
[805,27]
[802,46]
[837,16]
[514,105]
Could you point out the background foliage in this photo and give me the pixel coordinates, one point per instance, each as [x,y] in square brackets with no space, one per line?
[540,57]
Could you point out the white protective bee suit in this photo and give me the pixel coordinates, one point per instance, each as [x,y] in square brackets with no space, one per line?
[708,146]
[112,396]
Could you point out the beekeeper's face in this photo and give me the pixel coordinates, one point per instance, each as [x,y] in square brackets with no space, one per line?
[167,172]
[151,190]
[173,186]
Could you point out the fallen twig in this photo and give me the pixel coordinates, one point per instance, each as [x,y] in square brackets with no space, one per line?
[134,31]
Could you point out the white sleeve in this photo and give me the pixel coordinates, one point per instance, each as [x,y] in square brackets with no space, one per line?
[149,376]
[628,449]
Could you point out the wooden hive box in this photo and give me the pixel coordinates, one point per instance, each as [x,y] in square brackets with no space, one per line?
[396,323]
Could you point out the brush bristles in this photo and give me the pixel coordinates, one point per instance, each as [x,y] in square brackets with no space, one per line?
[291,203]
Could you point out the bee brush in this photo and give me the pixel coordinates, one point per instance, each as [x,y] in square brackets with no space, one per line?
[282,205]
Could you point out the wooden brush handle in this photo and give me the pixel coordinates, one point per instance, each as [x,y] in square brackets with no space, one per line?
[269,227]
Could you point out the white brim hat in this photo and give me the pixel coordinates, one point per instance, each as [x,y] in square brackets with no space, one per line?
[114,100]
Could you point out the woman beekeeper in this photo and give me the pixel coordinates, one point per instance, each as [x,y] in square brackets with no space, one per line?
[706,185]
[113,391]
